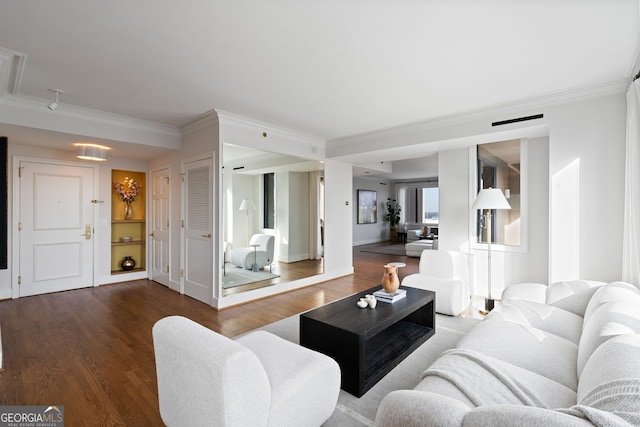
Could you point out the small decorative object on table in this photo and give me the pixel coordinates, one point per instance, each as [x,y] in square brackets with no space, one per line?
[390,281]
[128,190]
[128,263]
[371,300]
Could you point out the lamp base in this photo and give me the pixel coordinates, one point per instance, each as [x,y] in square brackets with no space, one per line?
[489,304]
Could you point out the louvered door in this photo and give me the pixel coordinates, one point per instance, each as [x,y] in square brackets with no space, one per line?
[198,230]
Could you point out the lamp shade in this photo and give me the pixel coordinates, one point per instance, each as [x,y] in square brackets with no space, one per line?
[247,205]
[490,198]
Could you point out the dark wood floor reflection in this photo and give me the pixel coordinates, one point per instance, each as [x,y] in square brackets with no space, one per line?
[91,351]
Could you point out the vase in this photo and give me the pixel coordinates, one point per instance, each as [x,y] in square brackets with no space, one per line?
[127,210]
[128,263]
[390,281]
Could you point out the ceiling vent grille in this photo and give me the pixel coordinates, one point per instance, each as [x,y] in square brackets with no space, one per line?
[519,119]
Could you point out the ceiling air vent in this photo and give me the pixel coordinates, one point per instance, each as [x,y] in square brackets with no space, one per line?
[519,119]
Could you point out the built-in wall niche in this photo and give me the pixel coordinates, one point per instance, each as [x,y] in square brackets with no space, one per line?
[282,205]
[128,225]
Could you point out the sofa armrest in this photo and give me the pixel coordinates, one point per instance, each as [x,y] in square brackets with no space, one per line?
[409,408]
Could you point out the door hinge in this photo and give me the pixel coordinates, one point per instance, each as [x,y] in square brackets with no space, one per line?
[19,226]
[182,223]
[19,280]
[20,171]
[181,273]
[167,269]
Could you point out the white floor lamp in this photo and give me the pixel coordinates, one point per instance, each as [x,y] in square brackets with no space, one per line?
[490,198]
[247,205]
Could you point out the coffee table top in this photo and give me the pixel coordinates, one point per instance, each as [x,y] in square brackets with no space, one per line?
[346,315]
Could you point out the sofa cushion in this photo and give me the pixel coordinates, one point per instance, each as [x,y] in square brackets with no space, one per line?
[511,415]
[479,380]
[615,291]
[529,348]
[536,292]
[550,319]
[607,321]
[572,295]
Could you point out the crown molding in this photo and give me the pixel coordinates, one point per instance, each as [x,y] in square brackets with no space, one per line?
[226,117]
[33,112]
[204,121]
[493,111]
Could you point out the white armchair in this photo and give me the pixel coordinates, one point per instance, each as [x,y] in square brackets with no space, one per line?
[258,379]
[263,253]
[448,274]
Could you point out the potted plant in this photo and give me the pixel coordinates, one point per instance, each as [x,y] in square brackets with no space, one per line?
[393,216]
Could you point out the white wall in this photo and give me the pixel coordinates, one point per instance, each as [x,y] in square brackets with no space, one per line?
[371,233]
[589,131]
[8,278]
[338,260]
[589,137]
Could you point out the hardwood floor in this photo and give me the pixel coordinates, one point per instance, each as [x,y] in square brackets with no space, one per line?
[91,350]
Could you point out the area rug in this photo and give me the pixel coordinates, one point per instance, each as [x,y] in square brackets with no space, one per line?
[397,249]
[357,412]
[235,276]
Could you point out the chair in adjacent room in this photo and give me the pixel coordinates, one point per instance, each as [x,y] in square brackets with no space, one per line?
[257,379]
[261,254]
[448,274]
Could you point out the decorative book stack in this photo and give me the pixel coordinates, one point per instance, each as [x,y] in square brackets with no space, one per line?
[381,295]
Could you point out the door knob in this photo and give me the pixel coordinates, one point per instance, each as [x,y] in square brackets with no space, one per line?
[207,235]
[151,234]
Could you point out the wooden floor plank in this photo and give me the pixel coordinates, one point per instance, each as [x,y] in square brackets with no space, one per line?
[91,350]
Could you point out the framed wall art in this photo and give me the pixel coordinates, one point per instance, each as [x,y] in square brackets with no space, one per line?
[367,207]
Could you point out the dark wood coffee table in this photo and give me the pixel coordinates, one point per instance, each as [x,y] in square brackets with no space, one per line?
[368,342]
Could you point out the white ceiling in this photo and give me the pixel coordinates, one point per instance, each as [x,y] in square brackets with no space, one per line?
[330,68]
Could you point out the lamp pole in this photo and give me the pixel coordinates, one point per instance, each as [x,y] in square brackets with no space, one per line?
[489,301]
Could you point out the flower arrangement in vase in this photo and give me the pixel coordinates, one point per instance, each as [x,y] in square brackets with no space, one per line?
[128,190]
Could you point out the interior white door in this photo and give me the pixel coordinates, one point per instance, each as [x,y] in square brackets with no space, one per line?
[198,226]
[160,226]
[56,227]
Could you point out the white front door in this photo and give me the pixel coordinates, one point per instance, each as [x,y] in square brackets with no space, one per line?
[160,226]
[56,216]
[198,226]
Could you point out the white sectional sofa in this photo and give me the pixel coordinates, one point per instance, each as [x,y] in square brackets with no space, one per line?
[570,359]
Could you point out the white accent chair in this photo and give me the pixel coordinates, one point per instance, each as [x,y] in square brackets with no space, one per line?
[448,274]
[258,379]
[244,257]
